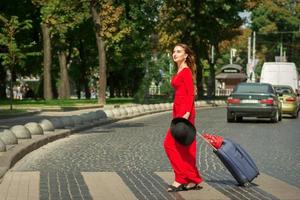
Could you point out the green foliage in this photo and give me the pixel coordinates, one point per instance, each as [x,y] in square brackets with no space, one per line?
[14,53]
[276,23]
[128,56]
[200,24]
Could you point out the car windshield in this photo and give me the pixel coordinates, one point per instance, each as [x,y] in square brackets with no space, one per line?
[251,88]
[284,90]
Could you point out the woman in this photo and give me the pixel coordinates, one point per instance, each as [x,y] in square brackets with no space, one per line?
[183,158]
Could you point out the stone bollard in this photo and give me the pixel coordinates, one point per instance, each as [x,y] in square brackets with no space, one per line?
[152,107]
[46,125]
[160,106]
[8,137]
[2,146]
[21,132]
[78,120]
[85,118]
[100,114]
[116,113]
[169,106]
[109,113]
[123,112]
[57,123]
[141,109]
[129,111]
[34,128]
[135,110]
[157,107]
[146,108]
[67,121]
[92,116]
[88,117]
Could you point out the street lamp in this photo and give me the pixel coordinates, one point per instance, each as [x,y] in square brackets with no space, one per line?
[232,54]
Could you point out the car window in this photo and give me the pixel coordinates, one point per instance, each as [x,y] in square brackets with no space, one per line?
[254,89]
[284,90]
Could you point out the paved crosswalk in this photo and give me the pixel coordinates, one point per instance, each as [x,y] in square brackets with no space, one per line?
[111,186]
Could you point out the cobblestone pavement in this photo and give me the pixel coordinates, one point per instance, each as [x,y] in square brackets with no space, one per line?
[126,160]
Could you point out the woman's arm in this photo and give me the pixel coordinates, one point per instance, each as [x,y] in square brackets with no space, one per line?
[190,95]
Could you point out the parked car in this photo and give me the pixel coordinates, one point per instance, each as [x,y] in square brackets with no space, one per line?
[253,100]
[289,100]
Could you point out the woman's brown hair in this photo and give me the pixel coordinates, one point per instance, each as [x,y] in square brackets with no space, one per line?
[190,59]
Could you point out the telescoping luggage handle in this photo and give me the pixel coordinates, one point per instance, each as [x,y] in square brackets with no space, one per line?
[201,136]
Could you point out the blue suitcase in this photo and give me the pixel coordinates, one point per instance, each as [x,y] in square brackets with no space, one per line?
[237,161]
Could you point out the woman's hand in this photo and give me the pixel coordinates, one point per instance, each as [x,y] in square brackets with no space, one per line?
[186,115]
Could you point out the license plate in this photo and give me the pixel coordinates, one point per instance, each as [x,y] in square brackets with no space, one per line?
[249,101]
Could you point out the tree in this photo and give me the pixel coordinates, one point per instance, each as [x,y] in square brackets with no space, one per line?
[46,8]
[67,16]
[277,27]
[136,50]
[15,54]
[106,17]
[201,24]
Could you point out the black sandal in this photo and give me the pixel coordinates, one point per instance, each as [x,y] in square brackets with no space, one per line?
[195,187]
[172,188]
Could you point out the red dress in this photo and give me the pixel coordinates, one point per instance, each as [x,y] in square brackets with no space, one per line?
[183,158]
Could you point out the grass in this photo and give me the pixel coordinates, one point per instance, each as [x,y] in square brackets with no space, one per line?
[59,102]
[22,106]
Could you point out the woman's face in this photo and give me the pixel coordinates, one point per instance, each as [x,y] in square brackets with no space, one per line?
[179,54]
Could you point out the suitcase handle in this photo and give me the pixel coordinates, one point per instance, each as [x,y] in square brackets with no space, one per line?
[201,136]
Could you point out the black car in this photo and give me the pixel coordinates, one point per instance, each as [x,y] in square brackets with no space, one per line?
[253,100]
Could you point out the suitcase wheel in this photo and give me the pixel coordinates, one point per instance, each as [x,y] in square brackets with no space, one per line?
[247,184]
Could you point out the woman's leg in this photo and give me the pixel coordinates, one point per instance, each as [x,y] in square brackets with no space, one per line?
[175,158]
[189,157]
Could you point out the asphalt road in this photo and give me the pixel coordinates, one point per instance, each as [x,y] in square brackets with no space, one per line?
[133,149]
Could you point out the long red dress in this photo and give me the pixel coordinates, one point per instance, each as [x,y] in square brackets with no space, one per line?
[183,158]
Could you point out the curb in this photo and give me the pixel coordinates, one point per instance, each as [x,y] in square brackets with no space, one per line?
[89,120]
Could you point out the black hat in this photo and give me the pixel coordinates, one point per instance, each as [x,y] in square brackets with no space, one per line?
[183,131]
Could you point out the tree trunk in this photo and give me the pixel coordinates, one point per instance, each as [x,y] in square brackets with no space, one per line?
[2,83]
[101,56]
[87,90]
[197,49]
[47,62]
[199,74]
[64,84]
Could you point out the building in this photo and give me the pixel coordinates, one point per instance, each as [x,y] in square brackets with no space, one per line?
[228,78]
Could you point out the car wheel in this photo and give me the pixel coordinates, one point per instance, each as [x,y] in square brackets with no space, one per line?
[280,117]
[295,115]
[230,117]
[275,118]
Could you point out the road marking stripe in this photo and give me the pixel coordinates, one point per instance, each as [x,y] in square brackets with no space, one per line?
[107,185]
[207,192]
[276,187]
[20,186]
